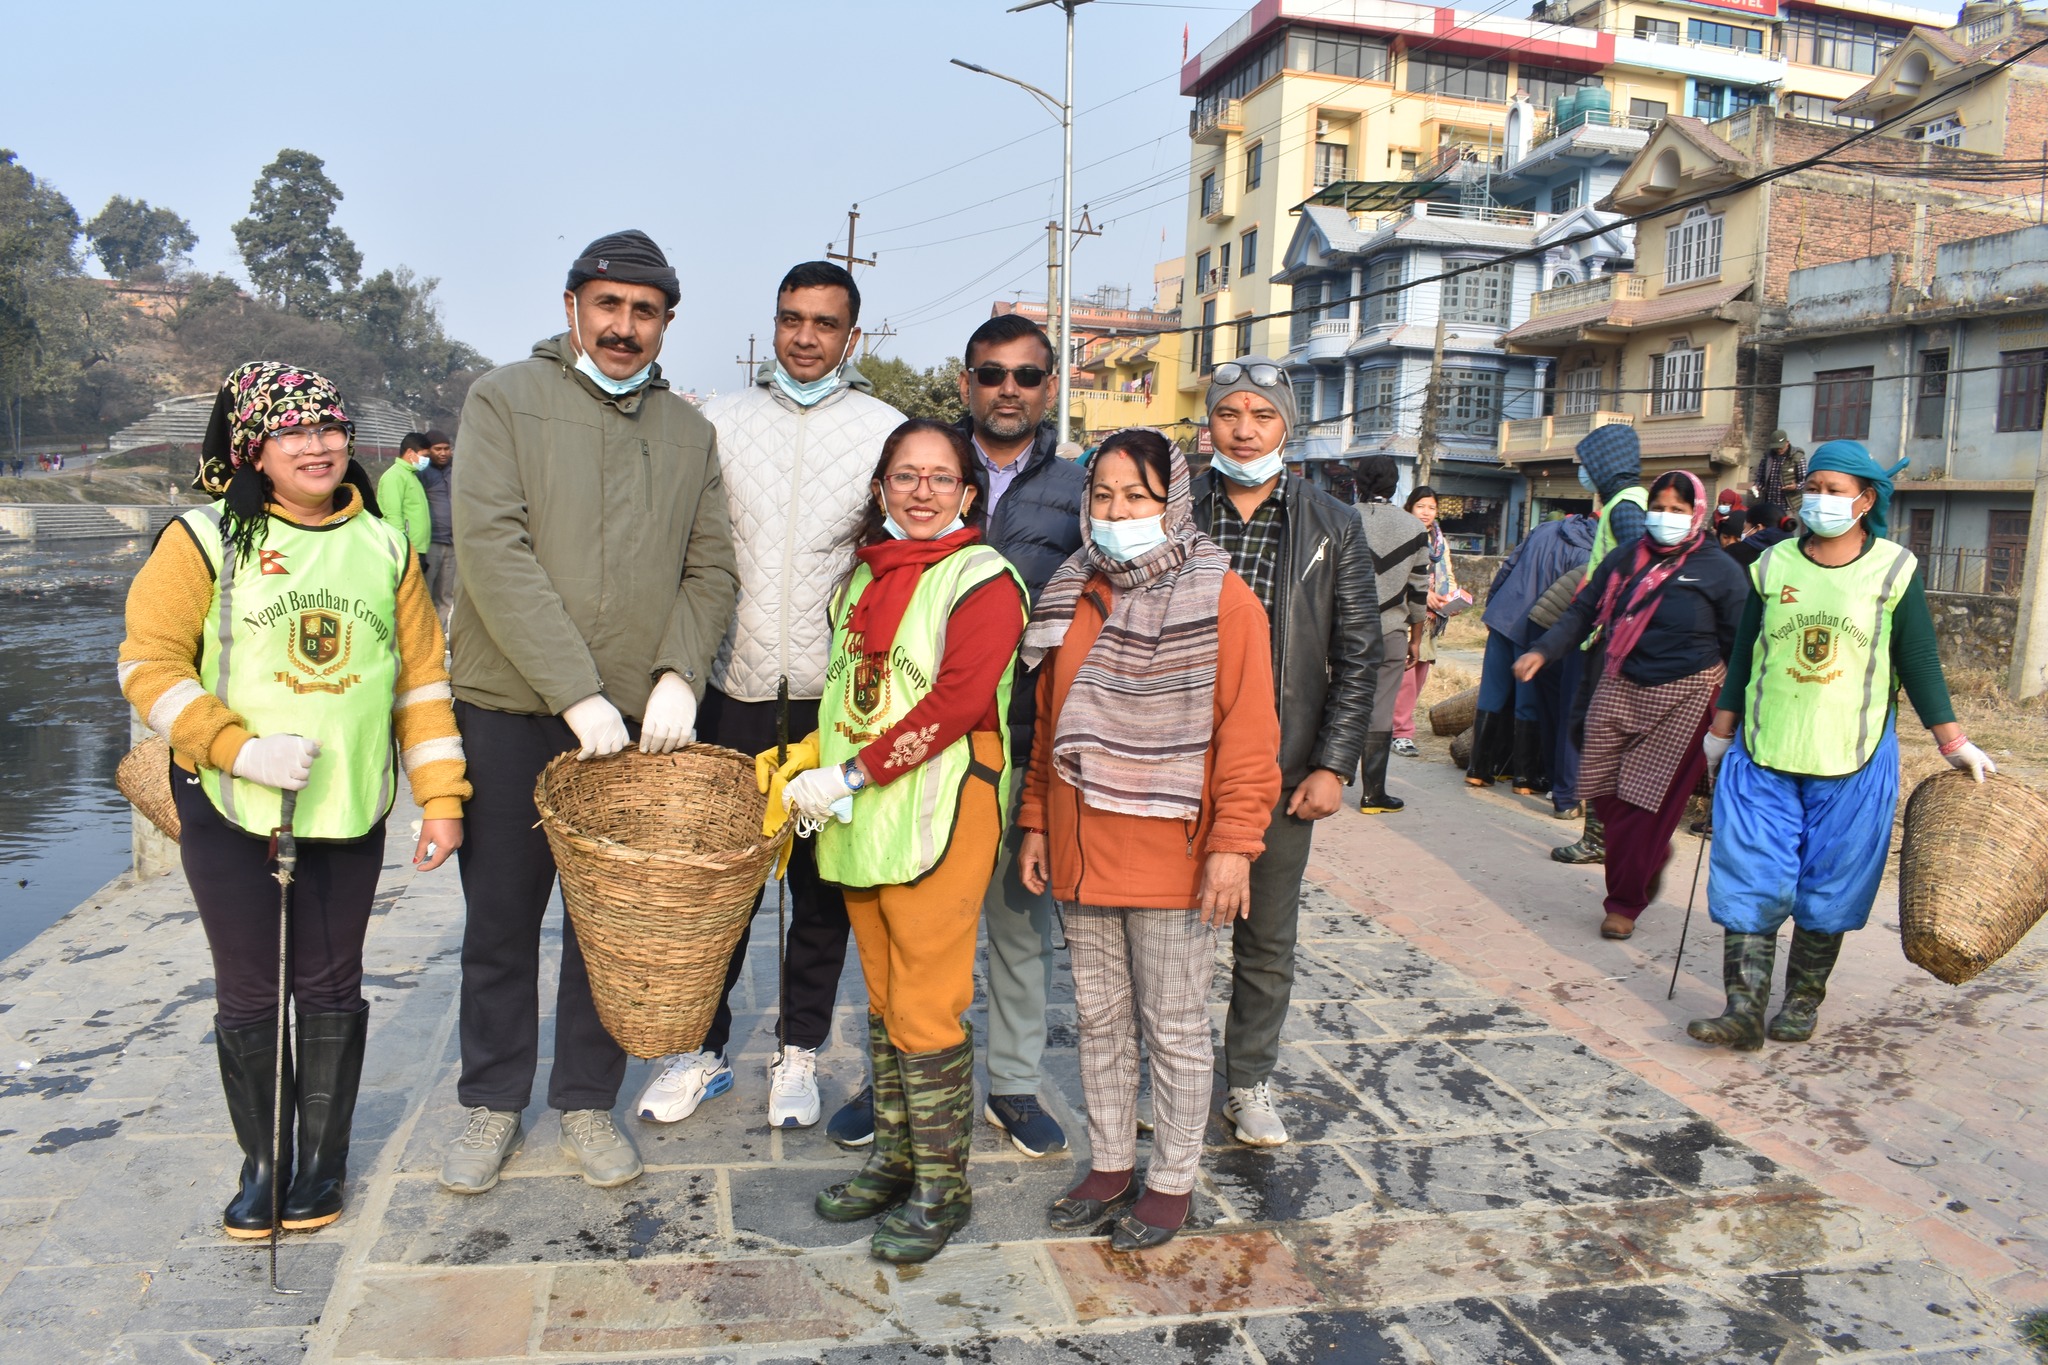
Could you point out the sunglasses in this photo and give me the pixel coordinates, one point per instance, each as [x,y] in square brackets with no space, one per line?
[1266,376]
[992,376]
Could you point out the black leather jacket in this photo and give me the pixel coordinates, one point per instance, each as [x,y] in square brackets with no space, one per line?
[1326,631]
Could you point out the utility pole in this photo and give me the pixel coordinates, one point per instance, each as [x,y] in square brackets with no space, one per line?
[849,260]
[749,364]
[1052,273]
[869,340]
[2029,677]
[1425,437]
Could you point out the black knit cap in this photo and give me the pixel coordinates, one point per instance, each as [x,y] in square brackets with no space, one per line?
[630,257]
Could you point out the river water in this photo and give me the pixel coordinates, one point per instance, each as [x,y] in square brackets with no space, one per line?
[63,728]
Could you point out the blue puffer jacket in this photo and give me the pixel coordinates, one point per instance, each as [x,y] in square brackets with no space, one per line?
[1540,560]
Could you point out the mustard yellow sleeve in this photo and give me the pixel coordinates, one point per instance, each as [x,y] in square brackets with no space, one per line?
[159,659]
[423,713]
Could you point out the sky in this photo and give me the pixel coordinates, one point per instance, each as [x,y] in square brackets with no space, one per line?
[484,145]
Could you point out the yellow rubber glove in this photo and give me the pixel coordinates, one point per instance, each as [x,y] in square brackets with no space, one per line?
[770,778]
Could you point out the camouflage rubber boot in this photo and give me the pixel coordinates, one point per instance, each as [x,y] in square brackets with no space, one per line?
[1591,847]
[1807,964]
[885,1180]
[1746,962]
[940,1087]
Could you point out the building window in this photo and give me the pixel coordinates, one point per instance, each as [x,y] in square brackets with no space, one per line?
[1946,131]
[2005,551]
[1814,109]
[1581,392]
[1382,302]
[1244,339]
[1920,533]
[1841,404]
[1254,70]
[1565,198]
[1711,102]
[1649,109]
[1308,297]
[1464,78]
[1332,163]
[1677,379]
[1204,267]
[1545,85]
[1254,165]
[1305,403]
[1248,252]
[1206,352]
[2022,378]
[1930,403]
[1212,195]
[1657,30]
[1378,399]
[1692,248]
[1816,39]
[1333,398]
[1726,35]
[1337,54]
[1468,401]
[1478,296]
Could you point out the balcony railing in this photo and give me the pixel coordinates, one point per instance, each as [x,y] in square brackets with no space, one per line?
[1211,121]
[1212,202]
[1599,289]
[1435,208]
[1548,127]
[1524,437]
[1111,396]
[1331,327]
[1215,278]
[1996,571]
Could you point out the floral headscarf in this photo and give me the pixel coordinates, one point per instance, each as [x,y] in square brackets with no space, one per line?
[258,400]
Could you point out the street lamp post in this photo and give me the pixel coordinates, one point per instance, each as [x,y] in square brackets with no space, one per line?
[1063,109]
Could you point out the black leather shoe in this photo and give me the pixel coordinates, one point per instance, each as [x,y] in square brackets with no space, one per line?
[1132,1233]
[1069,1214]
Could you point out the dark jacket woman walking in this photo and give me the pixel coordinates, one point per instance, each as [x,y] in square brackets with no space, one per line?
[1666,606]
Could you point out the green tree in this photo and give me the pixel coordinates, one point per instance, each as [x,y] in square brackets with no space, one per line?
[297,257]
[933,393]
[42,294]
[394,317]
[132,239]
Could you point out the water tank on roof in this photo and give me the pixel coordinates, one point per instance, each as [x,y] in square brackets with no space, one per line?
[1594,102]
[1563,112]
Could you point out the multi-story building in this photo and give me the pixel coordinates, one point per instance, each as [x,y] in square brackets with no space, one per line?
[1126,359]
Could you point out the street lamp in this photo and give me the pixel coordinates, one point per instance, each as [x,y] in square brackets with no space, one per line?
[1064,111]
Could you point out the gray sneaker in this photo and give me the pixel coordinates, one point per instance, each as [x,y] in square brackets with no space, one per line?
[1250,1109]
[473,1160]
[594,1142]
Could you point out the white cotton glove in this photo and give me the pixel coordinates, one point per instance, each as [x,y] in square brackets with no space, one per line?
[1972,760]
[671,717]
[1717,749]
[814,795]
[281,761]
[599,727]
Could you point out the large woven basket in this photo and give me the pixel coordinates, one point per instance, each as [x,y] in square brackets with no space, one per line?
[1461,749]
[144,777]
[661,856]
[1973,871]
[1454,715]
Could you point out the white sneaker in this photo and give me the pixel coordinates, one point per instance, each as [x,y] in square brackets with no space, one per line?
[1406,748]
[1251,1109]
[793,1089]
[689,1079]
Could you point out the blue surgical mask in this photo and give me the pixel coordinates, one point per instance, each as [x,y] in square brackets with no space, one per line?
[1668,528]
[1586,481]
[1124,541]
[1249,475]
[819,389]
[1827,515]
[585,366]
[896,531]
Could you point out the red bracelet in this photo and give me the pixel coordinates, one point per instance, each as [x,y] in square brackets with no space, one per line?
[1954,746]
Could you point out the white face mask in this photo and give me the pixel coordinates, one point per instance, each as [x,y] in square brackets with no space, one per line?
[1668,528]
[585,366]
[1124,541]
[1252,473]
[1827,514]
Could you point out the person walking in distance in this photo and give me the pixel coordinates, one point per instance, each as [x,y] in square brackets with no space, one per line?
[1304,556]
[436,478]
[1399,545]
[1443,582]
[798,447]
[597,580]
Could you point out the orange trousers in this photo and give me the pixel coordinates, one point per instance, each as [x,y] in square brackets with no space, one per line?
[917,942]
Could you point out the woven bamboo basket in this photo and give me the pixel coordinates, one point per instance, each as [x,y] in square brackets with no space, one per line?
[1461,749]
[661,856]
[1973,872]
[144,777]
[1454,715]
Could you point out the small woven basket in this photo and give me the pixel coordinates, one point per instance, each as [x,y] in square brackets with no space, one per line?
[661,857]
[1973,871]
[1454,715]
[144,777]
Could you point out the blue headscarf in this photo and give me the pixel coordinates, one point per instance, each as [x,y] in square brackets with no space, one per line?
[1850,457]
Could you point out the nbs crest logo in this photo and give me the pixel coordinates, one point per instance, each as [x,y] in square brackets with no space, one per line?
[320,649]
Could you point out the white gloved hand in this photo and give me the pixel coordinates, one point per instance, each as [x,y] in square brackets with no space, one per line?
[599,727]
[671,717]
[812,794]
[1972,760]
[1717,749]
[281,761]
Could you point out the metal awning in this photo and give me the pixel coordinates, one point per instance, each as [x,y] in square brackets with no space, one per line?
[1372,196]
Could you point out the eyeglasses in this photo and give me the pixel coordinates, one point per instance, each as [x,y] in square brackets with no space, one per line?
[1262,373]
[299,442]
[992,376]
[904,481]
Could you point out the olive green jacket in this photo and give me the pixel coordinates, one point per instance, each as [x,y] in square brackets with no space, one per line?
[592,538]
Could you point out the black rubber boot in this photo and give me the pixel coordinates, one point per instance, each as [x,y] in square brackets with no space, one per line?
[248,1058]
[1746,962]
[1531,776]
[1807,964]
[330,1074]
[1372,782]
[1489,742]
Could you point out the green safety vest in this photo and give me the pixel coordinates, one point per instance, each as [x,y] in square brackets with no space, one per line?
[902,830]
[1603,543]
[303,640]
[1821,684]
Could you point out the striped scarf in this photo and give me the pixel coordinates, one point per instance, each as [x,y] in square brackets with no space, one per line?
[1133,734]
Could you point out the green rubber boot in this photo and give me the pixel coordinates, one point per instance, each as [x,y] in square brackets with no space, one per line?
[1807,964]
[1592,844]
[1746,962]
[884,1182]
[940,1090]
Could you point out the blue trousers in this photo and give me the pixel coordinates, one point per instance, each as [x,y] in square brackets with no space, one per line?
[1556,687]
[1497,686]
[1811,848]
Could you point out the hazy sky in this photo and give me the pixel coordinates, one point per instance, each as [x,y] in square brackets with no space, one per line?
[486,144]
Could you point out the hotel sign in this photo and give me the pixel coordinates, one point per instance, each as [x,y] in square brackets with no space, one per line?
[1762,9]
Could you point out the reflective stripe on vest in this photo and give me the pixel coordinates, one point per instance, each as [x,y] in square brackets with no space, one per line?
[1604,543]
[303,640]
[901,831]
[1816,704]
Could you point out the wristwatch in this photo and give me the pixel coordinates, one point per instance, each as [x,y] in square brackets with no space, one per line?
[854,777]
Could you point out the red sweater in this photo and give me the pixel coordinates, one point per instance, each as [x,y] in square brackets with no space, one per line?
[981,645]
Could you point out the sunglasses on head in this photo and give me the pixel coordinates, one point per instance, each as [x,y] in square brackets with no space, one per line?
[1262,373]
[992,376]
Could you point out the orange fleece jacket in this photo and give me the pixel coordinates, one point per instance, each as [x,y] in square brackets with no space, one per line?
[166,613]
[1107,858]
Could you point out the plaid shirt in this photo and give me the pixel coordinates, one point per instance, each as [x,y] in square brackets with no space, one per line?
[1253,546]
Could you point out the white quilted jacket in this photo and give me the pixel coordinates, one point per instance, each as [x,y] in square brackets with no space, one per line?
[796,480]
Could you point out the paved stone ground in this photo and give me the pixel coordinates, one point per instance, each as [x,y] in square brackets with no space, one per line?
[1505,1151]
